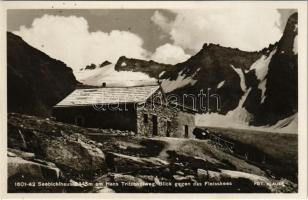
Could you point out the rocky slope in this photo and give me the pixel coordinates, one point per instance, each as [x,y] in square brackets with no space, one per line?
[258,88]
[36,82]
[49,156]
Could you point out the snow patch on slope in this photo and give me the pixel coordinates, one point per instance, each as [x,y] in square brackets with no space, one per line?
[242,77]
[85,73]
[235,118]
[161,73]
[288,124]
[239,118]
[217,120]
[240,114]
[295,45]
[181,81]
[112,77]
[260,67]
[262,87]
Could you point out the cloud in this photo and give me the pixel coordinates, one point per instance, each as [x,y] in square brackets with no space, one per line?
[162,21]
[169,54]
[68,39]
[248,29]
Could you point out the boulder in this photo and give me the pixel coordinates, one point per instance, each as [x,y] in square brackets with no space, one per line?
[100,145]
[19,153]
[147,178]
[24,176]
[131,180]
[188,178]
[62,144]
[16,138]
[202,174]
[180,173]
[194,162]
[20,168]
[105,190]
[214,176]
[121,162]
[74,154]
[11,154]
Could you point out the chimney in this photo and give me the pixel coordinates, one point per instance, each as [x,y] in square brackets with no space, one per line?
[104,84]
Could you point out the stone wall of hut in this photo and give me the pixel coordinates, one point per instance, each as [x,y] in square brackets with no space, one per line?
[171,122]
[183,119]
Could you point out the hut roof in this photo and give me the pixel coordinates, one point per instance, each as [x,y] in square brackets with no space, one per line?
[112,95]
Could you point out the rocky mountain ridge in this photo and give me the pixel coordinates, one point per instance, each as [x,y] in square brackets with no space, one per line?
[36,82]
[259,87]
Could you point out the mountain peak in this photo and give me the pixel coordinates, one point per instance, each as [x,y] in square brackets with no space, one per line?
[286,43]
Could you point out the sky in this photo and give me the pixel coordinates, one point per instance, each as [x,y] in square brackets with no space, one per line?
[82,37]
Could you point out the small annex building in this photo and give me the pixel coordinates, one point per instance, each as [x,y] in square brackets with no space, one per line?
[141,109]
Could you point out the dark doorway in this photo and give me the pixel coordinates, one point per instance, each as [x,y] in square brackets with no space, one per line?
[154,121]
[186,131]
[79,120]
[168,128]
[145,118]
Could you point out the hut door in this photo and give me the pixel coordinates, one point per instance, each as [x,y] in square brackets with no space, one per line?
[154,121]
[168,128]
[186,131]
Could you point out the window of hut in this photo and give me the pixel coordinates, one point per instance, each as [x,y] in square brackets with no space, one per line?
[145,118]
[186,131]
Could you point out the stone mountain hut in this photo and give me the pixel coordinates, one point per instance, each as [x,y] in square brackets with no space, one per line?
[141,109]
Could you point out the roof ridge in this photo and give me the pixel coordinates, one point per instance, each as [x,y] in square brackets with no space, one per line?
[99,87]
